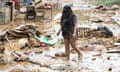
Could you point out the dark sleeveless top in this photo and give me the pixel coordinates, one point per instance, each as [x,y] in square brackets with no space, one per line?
[68,26]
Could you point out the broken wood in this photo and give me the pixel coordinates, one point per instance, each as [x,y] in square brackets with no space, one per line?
[113,52]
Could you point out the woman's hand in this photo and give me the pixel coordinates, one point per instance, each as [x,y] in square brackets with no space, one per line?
[58,33]
[74,34]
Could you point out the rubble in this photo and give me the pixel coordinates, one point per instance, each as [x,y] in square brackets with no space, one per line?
[100,31]
[27,50]
[115,7]
[22,31]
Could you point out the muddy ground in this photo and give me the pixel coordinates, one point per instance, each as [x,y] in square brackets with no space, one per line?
[100,55]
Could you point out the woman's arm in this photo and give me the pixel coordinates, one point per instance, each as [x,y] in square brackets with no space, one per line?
[75,26]
[59,31]
[75,29]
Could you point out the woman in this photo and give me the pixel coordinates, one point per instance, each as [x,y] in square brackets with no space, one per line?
[68,28]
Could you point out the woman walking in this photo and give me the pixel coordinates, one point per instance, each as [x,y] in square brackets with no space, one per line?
[69,28]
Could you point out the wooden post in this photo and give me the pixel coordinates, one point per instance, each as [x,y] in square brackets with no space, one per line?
[13,11]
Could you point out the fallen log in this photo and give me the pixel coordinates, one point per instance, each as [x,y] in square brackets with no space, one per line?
[113,52]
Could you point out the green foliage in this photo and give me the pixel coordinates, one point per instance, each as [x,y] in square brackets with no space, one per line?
[107,2]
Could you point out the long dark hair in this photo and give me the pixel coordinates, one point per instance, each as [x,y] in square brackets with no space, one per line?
[67,13]
[66,18]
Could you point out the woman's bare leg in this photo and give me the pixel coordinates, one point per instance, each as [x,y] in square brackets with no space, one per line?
[73,44]
[67,47]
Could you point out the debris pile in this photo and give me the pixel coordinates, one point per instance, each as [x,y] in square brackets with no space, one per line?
[22,31]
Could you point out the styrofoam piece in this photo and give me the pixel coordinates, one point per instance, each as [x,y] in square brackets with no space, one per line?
[116,43]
